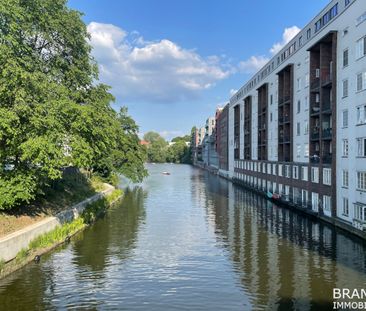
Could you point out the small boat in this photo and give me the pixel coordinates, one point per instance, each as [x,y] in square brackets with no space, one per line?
[165,173]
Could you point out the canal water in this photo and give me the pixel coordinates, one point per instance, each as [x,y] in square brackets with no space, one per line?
[192,241]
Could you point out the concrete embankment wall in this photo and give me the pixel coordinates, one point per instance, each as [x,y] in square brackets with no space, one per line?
[338,223]
[11,244]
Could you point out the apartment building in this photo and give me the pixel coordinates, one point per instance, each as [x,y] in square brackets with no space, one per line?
[297,128]
[221,132]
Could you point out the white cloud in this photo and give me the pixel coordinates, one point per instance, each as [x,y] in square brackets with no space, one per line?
[159,71]
[168,135]
[287,36]
[253,64]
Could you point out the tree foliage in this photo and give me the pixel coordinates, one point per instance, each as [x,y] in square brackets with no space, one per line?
[53,114]
[159,151]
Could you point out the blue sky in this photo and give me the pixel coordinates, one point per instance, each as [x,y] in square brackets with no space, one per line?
[173,62]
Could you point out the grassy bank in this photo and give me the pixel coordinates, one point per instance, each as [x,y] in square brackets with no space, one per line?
[48,241]
[58,197]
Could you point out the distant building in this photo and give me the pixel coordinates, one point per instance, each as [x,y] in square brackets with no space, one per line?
[144,143]
[222,138]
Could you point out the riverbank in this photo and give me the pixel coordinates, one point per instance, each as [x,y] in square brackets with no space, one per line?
[60,196]
[21,247]
[337,223]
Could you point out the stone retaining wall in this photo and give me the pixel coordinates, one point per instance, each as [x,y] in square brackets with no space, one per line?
[11,244]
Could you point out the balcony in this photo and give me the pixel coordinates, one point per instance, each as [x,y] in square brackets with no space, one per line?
[315,110]
[284,119]
[315,135]
[314,86]
[327,133]
[327,80]
[327,108]
[284,139]
[327,158]
[284,99]
[315,158]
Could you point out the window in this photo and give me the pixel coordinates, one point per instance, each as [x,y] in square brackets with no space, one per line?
[306,150]
[345,58]
[298,84]
[361,181]
[346,2]
[360,211]
[306,103]
[306,127]
[298,106]
[361,48]
[361,147]
[271,99]
[298,128]
[327,176]
[304,197]
[304,173]
[345,209]
[295,172]
[315,201]
[298,150]
[326,203]
[308,34]
[361,81]
[345,148]
[345,178]
[287,171]
[315,174]
[269,168]
[318,25]
[300,41]
[307,80]
[279,169]
[345,88]
[361,114]
[345,118]
[274,169]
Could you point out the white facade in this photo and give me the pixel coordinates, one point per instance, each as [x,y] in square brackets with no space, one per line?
[348,20]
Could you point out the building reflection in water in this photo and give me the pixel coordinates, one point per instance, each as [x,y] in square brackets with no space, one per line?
[284,259]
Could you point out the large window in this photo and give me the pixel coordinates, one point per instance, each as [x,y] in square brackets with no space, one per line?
[361,81]
[304,173]
[345,179]
[361,181]
[326,203]
[306,127]
[361,147]
[345,209]
[345,58]
[345,118]
[360,211]
[361,47]
[345,88]
[315,174]
[345,147]
[295,172]
[327,176]
[361,114]
[287,171]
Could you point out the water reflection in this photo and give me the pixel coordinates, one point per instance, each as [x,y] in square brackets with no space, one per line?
[192,241]
[284,259]
[78,276]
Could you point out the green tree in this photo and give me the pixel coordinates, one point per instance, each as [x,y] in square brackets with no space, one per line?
[157,148]
[53,113]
